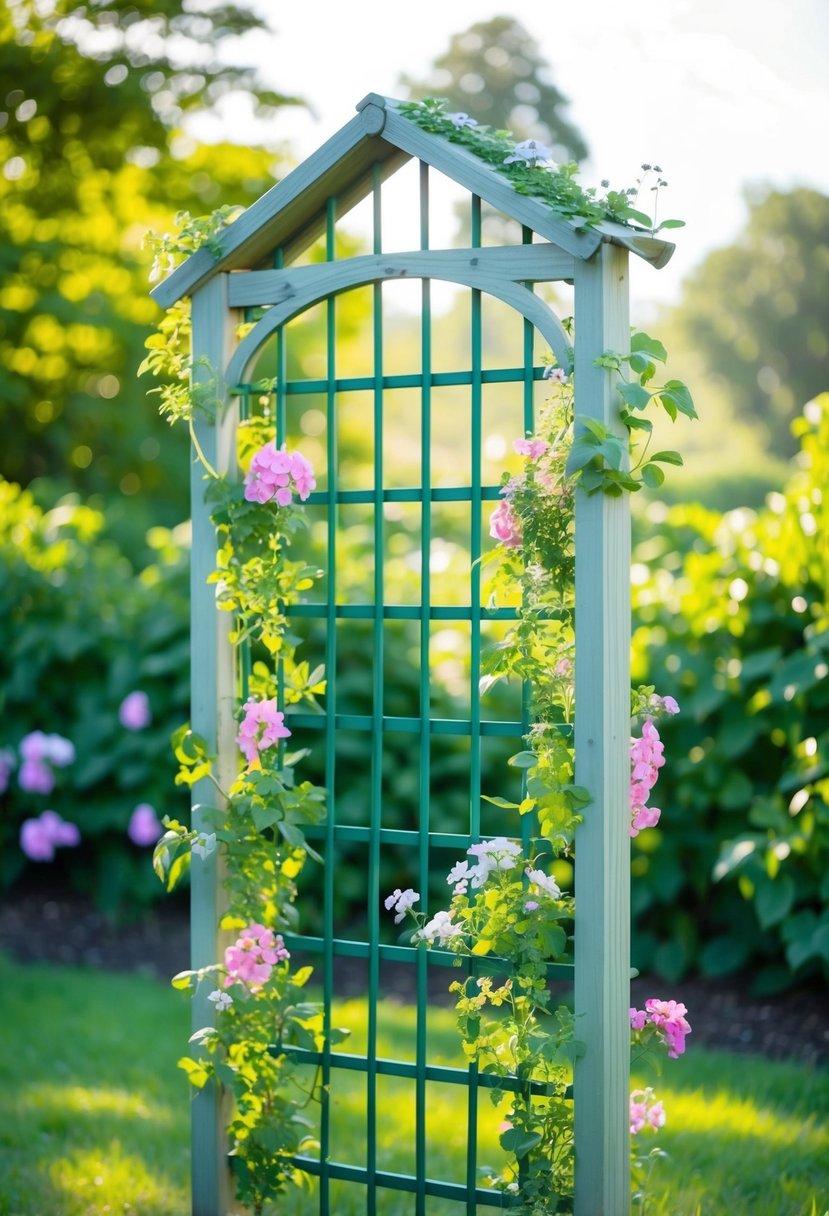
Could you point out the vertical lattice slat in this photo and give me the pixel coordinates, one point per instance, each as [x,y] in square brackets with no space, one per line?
[424,696]
[330,717]
[475,517]
[602,740]
[376,791]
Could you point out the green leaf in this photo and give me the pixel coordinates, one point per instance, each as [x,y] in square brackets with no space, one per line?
[667,457]
[519,1142]
[522,760]
[502,802]
[642,342]
[652,475]
[678,393]
[670,224]
[264,816]
[634,395]
[774,899]
[639,217]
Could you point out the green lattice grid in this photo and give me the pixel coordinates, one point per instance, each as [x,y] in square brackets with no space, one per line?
[374,834]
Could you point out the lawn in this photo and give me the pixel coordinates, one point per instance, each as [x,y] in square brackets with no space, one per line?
[95,1112]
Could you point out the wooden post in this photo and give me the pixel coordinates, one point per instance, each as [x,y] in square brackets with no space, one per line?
[602,742]
[212,715]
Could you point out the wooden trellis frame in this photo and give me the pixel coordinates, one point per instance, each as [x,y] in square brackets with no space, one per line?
[272,233]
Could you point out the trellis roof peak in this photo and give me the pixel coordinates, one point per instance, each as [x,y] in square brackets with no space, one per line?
[292,213]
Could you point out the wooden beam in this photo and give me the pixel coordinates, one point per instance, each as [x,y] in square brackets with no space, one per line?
[602,743]
[213,705]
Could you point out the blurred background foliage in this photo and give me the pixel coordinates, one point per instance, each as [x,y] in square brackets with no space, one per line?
[730,569]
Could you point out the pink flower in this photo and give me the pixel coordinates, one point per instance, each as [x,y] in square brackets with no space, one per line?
[134,711]
[670,705]
[646,759]
[40,837]
[505,525]
[644,817]
[35,777]
[644,1111]
[531,905]
[144,827]
[271,473]
[638,1017]
[556,374]
[669,1016]
[532,448]
[35,841]
[264,715]
[256,952]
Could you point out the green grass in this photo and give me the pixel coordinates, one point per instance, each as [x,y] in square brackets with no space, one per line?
[95,1113]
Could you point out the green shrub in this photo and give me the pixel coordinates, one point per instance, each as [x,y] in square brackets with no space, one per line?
[731,618]
[81,631]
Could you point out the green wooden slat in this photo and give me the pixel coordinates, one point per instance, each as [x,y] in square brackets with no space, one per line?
[365,384]
[475,524]
[406,612]
[424,690]
[405,1068]
[344,948]
[376,760]
[410,726]
[405,1182]
[437,494]
[332,458]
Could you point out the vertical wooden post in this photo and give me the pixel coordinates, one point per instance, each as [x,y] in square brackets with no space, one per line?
[602,741]
[212,715]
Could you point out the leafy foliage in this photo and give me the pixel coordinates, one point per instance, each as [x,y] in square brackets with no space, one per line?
[734,608]
[94,153]
[82,630]
[755,313]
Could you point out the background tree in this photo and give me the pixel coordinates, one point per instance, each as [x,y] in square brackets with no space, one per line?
[92,155]
[495,72]
[755,314]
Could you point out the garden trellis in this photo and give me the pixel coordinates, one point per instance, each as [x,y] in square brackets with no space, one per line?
[253,278]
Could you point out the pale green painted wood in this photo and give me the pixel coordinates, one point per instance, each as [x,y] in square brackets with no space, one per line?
[602,743]
[213,704]
[309,284]
[519,263]
[292,213]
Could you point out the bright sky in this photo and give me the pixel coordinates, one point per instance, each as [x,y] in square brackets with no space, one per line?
[720,93]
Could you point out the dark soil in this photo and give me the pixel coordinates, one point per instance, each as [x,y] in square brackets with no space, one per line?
[45,925]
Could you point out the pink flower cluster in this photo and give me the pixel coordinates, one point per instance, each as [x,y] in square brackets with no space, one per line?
[41,754]
[505,525]
[253,957]
[669,1018]
[276,474]
[134,711]
[262,726]
[144,827]
[646,759]
[40,837]
[645,1112]
[531,448]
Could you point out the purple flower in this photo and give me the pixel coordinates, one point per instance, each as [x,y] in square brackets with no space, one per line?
[134,711]
[40,837]
[35,777]
[144,827]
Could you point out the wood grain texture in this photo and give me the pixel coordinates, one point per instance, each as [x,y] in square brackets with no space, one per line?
[213,716]
[602,743]
[498,272]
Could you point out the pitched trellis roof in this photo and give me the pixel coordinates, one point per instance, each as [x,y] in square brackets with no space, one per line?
[292,213]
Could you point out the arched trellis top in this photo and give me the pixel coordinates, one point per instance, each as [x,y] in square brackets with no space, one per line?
[292,214]
[497,272]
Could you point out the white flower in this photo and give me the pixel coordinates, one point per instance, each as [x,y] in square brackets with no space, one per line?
[460,872]
[556,374]
[222,1000]
[460,119]
[440,929]
[544,882]
[204,844]
[401,901]
[531,152]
